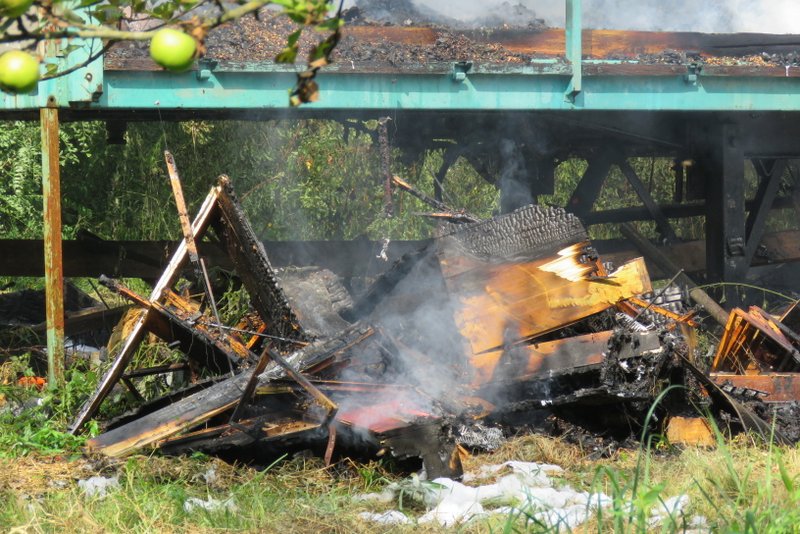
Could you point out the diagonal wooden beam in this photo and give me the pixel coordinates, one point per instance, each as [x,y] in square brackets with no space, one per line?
[588,189]
[647,199]
[770,174]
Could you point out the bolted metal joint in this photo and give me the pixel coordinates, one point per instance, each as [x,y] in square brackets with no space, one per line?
[460,70]
[692,74]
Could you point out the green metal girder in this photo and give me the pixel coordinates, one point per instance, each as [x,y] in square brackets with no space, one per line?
[491,91]
[559,84]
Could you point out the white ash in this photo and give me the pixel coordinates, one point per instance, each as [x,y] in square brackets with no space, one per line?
[98,486]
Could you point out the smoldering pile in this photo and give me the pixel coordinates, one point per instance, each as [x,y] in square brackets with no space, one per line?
[492,327]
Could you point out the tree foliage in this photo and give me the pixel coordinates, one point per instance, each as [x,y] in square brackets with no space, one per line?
[297,180]
[81,24]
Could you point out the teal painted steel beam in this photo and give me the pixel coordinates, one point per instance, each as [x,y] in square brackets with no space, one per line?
[574,41]
[539,86]
[478,91]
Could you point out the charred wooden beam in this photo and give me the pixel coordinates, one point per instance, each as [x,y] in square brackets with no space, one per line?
[156,370]
[178,320]
[195,409]
[254,268]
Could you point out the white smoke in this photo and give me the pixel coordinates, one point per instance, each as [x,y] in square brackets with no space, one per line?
[710,16]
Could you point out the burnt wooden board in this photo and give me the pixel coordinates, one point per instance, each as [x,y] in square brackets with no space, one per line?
[195,409]
[254,268]
[524,362]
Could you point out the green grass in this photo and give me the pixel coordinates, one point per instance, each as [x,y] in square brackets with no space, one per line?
[739,486]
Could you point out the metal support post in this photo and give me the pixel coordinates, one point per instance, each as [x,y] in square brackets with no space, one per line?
[725,210]
[574,51]
[53,266]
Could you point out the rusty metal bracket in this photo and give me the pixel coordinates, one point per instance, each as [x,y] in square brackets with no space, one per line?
[692,76]
[460,70]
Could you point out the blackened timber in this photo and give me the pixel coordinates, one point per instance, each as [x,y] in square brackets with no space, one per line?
[725,208]
[588,189]
[254,268]
[530,231]
[664,227]
[156,370]
[250,387]
[765,195]
[175,320]
[200,407]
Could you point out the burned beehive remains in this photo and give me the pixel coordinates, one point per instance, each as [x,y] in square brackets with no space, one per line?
[507,321]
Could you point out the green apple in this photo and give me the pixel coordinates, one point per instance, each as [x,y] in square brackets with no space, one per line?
[19,71]
[14,8]
[172,49]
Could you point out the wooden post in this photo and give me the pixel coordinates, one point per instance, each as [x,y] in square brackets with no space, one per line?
[53,266]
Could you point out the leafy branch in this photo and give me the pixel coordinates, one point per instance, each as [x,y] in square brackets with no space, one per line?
[30,22]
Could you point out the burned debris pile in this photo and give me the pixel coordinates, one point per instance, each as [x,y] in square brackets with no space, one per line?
[502,324]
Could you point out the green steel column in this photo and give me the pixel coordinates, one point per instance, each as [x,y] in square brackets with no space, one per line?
[53,266]
[574,40]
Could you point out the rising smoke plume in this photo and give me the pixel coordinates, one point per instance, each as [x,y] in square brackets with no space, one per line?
[713,16]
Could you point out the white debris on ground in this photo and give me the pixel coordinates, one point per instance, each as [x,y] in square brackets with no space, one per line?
[478,436]
[98,486]
[210,476]
[390,518]
[518,487]
[209,505]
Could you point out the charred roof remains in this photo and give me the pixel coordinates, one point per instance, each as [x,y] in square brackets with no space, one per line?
[511,322]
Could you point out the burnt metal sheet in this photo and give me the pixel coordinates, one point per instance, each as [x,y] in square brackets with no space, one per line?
[769,387]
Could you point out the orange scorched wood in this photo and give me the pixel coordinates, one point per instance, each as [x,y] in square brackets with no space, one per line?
[500,304]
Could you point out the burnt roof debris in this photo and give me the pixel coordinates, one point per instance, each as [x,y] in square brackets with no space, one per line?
[510,323]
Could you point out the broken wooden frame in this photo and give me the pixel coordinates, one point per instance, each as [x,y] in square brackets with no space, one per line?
[168,315]
[516,282]
[758,355]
